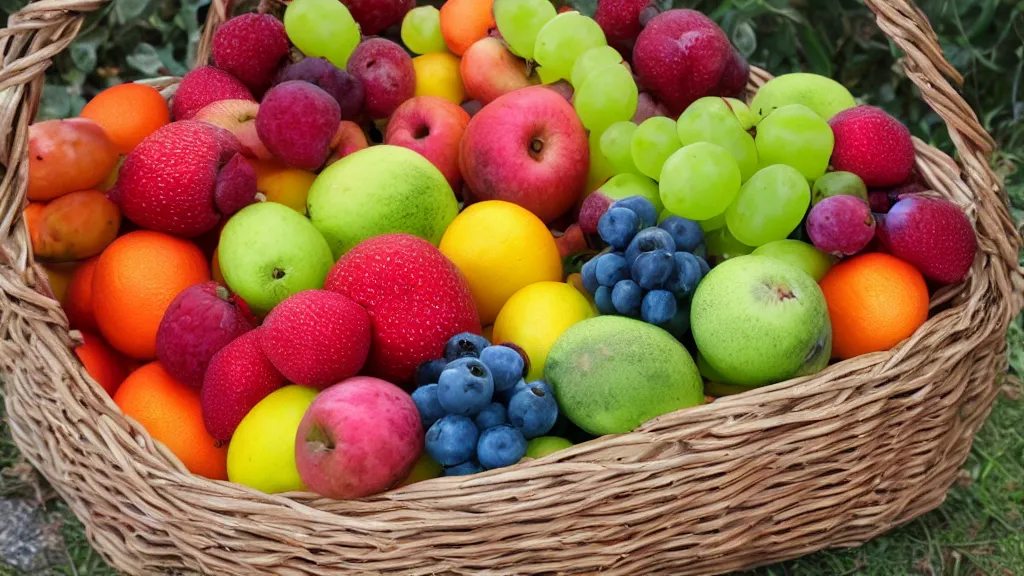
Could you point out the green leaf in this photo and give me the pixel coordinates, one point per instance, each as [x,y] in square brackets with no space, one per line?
[145,59]
[55,103]
[12,6]
[173,67]
[744,38]
[819,57]
[83,49]
[128,10]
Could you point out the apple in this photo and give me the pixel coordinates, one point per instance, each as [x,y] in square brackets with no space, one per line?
[432,127]
[262,450]
[527,147]
[757,320]
[348,139]
[489,70]
[359,437]
[268,252]
[239,118]
[380,190]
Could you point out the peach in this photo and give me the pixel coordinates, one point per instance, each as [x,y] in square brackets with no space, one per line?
[489,70]
[75,226]
[67,155]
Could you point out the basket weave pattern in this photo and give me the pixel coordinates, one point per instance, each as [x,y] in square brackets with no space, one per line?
[829,460]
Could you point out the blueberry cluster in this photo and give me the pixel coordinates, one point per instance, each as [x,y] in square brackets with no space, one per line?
[477,408]
[652,270]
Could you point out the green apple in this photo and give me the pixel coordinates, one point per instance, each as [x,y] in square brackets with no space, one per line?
[800,254]
[823,95]
[758,320]
[542,446]
[262,451]
[380,190]
[268,252]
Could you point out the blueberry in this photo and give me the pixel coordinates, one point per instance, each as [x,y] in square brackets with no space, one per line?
[659,307]
[465,387]
[642,207]
[649,240]
[491,416]
[452,440]
[686,233]
[704,268]
[465,345]
[464,469]
[533,410]
[505,364]
[679,325]
[589,273]
[505,395]
[618,226]
[500,446]
[425,398]
[430,371]
[701,251]
[626,297]
[653,270]
[687,274]
[611,269]
[603,299]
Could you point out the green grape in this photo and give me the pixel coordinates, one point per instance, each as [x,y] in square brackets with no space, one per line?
[839,184]
[625,185]
[795,136]
[742,113]
[653,142]
[519,21]
[713,223]
[616,145]
[700,181]
[590,61]
[823,95]
[609,95]
[723,246]
[546,76]
[421,30]
[561,41]
[711,120]
[322,28]
[769,206]
[600,167]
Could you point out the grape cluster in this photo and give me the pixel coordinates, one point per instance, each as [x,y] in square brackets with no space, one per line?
[652,270]
[476,407]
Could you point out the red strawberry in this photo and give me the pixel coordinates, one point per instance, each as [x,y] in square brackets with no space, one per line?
[934,235]
[239,376]
[872,145]
[251,47]
[203,86]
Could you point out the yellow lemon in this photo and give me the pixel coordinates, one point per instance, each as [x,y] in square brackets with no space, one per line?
[437,74]
[534,317]
[500,247]
[284,185]
[425,469]
[262,451]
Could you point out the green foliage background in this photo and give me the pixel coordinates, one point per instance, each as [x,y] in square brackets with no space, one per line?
[980,529]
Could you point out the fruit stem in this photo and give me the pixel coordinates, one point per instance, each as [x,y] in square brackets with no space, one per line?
[536,147]
[223,293]
[277,274]
[260,197]
[319,440]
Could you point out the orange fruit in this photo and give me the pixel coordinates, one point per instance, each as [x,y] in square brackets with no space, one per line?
[875,301]
[128,113]
[103,363]
[77,302]
[463,22]
[135,280]
[282,184]
[172,413]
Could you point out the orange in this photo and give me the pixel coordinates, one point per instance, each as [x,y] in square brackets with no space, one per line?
[463,22]
[128,113]
[77,302]
[136,279]
[282,184]
[103,363]
[875,301]
[215,272]
[172,413]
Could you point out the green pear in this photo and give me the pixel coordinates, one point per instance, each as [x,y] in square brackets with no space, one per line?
[758,320]
[268,252]
[380,190]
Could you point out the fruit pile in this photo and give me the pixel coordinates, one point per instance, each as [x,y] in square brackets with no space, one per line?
[292,274]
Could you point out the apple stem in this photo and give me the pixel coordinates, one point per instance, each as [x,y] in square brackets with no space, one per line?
[319,439]
[223,293]
[260,197]
[277,274]
[648,14]
[536,147]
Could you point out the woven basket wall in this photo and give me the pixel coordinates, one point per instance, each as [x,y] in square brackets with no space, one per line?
[824,461]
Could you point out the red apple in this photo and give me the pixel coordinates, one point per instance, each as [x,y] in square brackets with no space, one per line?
[489,70]
[527,147]
[431,126]
[239,118]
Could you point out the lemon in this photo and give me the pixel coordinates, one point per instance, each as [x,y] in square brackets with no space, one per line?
[500,248]
[534,317]
[262,451]
[438,74]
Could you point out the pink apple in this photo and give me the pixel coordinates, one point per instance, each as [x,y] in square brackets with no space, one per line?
[239,118]
[489,70]
[359,437]
[433,127]
[527,147]
[348,139]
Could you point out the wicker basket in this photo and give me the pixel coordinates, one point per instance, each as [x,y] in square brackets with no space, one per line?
[824,461]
